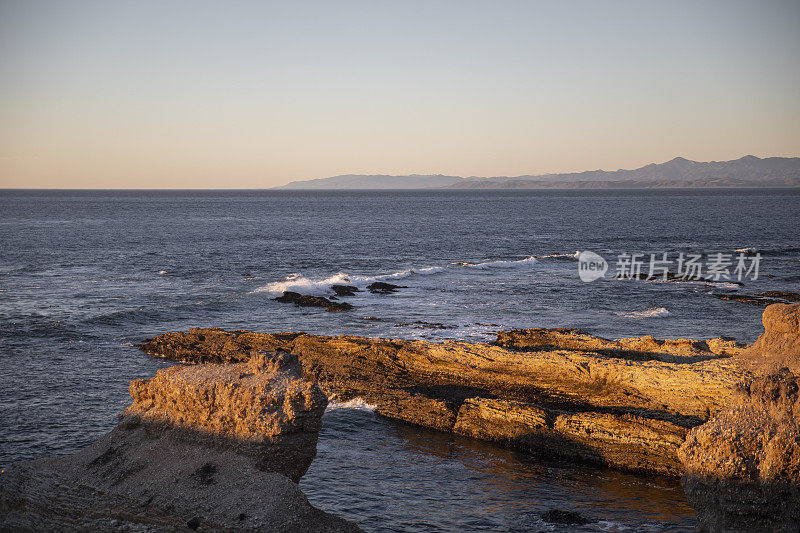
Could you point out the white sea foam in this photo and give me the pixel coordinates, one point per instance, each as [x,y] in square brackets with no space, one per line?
[560,256]
[299,283]
[521,263]
[402,274]
[653,312]
[732,286]
[321,286]
[356,404]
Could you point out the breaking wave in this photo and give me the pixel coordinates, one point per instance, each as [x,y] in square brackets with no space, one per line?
[570,257]
[356,404]
[297,282]
[521,263]
[653,312]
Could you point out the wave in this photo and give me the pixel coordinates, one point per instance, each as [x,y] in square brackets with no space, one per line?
[569,257]
[769,252]
[320,286]
[653,312]
[356,404]
[521,263]
[403,274]
[297,282]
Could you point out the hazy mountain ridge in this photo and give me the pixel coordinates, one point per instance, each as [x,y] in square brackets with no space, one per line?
[748,171]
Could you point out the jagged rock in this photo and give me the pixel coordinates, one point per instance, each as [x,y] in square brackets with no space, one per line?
[743,467]
[215,345]
[304,300]
[635,348]
[345,290]
[762,298]
[503,420]
[380,287]
[779,345]
[217,447]
[636,405]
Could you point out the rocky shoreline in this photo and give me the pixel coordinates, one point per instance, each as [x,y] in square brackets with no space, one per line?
[202,447]
[239,422]
[627,403]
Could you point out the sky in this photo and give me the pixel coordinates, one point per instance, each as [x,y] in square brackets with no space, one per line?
[254,94]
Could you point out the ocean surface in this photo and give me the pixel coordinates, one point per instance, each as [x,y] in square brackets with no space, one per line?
[85,274]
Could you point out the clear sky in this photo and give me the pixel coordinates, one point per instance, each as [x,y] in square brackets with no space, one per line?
[196,94]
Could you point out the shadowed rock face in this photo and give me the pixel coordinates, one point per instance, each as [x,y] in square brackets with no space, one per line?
[304,300]
[743,466]
[214,446]
[626,403]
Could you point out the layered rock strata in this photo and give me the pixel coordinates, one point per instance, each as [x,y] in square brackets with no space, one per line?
[627,403]
[217,447]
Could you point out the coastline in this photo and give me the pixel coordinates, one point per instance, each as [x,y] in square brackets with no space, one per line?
[636,404]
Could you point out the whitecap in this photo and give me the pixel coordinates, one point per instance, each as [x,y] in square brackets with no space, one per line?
[653,312]
[521,263]
[574,255]
[299,283]
[356,404]
[425,271]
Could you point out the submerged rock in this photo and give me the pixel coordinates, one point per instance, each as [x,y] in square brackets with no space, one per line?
[380,287]
[303,300]
[557,516]
[762,298]
[345,290]
[626,403]
[217,447]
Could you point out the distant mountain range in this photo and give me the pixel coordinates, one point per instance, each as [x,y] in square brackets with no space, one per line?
[748,171]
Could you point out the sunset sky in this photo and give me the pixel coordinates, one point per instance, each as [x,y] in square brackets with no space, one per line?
[197,94]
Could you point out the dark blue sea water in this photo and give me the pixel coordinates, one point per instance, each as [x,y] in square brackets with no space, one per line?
[84,274]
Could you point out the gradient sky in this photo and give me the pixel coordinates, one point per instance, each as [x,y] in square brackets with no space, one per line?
[197,94]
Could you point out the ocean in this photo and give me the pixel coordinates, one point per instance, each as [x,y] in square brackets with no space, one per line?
[86,274]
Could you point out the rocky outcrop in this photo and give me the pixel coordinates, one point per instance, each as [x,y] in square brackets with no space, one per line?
[743,466]
[381,287]
[643,348]
[625,403]
[217,447]
[779,345]
[345,290]
[304,300]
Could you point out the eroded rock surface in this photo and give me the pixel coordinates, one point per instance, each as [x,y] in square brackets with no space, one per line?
[779,345]
[743,466]
[626,403]
[218,447]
